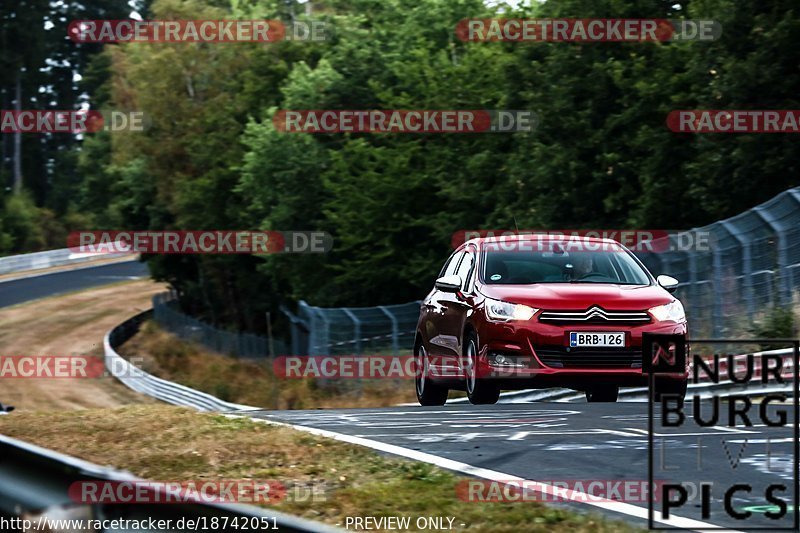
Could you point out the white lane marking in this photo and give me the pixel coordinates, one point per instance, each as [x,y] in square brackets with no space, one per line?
[644,432]
[494,475]
[732,430]
[761,441]
[521,435]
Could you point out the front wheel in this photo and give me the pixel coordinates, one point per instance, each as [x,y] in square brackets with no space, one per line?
[479,391]
[602,394]
[428,392]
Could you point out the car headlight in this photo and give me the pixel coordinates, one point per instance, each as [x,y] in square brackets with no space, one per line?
[672,311]
[497,310]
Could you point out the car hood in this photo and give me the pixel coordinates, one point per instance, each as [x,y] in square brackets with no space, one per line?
[580,296]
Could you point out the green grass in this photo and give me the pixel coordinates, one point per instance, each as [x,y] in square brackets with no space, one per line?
[170,443]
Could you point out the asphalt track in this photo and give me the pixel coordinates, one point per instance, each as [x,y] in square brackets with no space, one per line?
[556,442]
[545,442]
[17,291]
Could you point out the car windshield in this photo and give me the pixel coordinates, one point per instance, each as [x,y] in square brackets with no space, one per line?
[522,267]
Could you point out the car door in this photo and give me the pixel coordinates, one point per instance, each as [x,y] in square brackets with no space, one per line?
[455,309]
[433,309]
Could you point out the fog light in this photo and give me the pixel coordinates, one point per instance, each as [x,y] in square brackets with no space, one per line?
[499,359]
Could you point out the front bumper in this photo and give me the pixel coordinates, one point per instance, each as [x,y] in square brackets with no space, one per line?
[538,355]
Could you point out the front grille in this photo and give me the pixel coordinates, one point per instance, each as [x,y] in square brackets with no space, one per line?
[595,315]
[590,358]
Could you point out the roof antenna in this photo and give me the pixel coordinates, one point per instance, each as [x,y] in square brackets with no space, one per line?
[515,224]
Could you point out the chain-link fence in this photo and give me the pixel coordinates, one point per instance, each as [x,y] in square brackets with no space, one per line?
[245,345]
[749,267]
[353,330]
[316,331]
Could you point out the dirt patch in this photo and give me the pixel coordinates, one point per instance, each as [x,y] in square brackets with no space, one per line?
[73,324]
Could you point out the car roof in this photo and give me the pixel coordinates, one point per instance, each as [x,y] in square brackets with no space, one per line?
[542,237]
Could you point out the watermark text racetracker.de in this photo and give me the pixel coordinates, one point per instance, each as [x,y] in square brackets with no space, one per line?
[404,121]
[554,490]
[198,242]
[587,30]
[81,121]
[195,31]
[371,366]
[66,366]
[637,240]
[204,491]
[734,121]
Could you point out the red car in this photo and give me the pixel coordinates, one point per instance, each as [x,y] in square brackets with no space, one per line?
[536,311]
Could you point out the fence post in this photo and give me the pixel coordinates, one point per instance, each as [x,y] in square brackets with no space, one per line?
[717,281]
[747,265]
[313,327]
[395,330]
[326,333]
[356,326]
[294,323]
[691,290]
[784,277]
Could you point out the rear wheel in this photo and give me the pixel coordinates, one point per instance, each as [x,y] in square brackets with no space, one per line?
[428,392]
[602,394]
[479,391]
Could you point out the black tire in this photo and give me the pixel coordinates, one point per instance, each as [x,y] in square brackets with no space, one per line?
[428,392]
[671,388]
[479,391]
[602,394]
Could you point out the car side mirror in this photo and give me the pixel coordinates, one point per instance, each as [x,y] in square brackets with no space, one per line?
[449,283]
[667,282]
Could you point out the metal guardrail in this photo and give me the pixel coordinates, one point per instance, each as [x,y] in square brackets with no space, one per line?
[47,259]
[35,485]
[161,389]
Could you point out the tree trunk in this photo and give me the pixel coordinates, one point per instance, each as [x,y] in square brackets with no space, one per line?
[18,138]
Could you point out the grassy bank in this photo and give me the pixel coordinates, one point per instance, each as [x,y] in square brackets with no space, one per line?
[170,443]
[253,382]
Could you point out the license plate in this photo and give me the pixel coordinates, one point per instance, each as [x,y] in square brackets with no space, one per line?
[604,339]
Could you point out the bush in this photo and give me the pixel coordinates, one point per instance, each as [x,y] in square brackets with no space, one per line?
[778,323]
[21,222]
[27,228]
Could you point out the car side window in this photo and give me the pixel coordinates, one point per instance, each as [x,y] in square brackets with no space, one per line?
[452,265]
[465,270]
